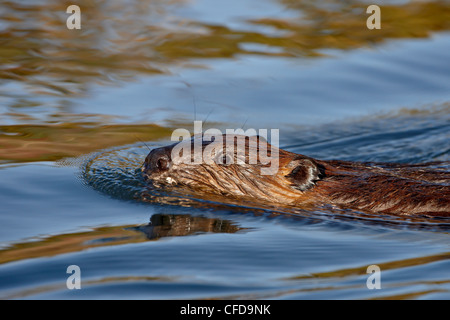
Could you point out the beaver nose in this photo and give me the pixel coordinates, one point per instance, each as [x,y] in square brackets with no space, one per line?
[158,160]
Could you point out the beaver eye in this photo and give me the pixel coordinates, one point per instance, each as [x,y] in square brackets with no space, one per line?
[162,164]
[223,159]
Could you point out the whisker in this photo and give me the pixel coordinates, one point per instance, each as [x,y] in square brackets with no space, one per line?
[143,143]
[195,108]
[244,123]
[143,163]
[207,116]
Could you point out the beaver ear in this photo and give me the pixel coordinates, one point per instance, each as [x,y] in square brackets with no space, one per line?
[304,174]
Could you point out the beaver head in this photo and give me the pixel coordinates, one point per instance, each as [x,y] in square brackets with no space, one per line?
[232,166]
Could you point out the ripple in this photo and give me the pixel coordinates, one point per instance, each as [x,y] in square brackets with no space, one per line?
[115,172]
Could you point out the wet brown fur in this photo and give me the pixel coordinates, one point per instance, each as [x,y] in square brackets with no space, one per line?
[386,188]
[300,181]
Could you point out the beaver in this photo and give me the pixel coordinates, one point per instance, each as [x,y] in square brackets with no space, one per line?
[299,181]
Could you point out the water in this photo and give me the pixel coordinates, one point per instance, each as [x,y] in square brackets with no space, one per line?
[75,108]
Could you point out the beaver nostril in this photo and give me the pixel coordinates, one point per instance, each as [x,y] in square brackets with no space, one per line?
[157,161]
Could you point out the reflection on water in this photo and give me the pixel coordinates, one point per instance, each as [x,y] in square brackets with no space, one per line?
[43,63]
[45,69]
[26,143]
[160,226]
[384,266]
[314,285]
[164,225]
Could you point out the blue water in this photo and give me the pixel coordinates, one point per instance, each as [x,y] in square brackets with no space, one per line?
[386,102]
[268,254]
[257,88]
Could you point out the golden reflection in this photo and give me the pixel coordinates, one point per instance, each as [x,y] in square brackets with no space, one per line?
[86,283]
[432,286]
[398,264]
[54,142]
[161,225]
[121,40]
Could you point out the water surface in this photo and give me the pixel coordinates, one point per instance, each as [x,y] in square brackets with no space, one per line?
[76,107]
